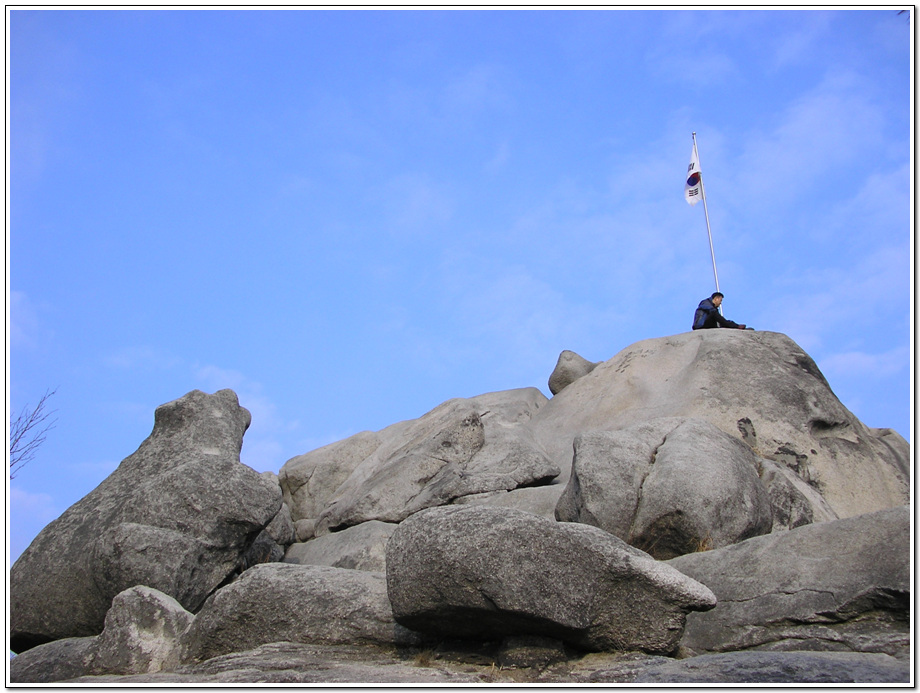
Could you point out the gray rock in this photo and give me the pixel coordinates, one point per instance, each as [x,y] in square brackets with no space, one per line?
[539,500]
[899,447]
[794,502]
[270,545]
[760,387]
[277,602]
[177,515]
[362,547]
[389,490]
[310,481]
[603,667]
[531,652]
[703,491]
[841,585]
[461,448]
[142,634]
[780,667]
[301,663]
[305,529]
[58,660]
[488,573]
[569,368]
[263,550]
[668,486]
[281,529]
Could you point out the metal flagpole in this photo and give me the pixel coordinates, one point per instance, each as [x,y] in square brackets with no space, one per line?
[712,251]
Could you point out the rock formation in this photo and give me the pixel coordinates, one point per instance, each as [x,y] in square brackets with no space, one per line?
[699,507]
[489,573]
[670,487]
[177,516]
[760,387]
[833,585]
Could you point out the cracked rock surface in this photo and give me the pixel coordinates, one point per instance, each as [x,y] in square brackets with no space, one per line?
[842,585]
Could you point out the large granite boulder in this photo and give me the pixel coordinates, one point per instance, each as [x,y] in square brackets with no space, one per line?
[669,486]
[486,573]
[760,387]
[841,585]
[463,448]
[142,634]
[278,602]
[177,516]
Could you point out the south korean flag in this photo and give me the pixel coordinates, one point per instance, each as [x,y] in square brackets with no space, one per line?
[693,190]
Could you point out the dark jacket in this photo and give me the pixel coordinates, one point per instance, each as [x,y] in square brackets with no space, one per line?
[707,315]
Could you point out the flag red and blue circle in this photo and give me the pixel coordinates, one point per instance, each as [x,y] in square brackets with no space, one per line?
[693,180]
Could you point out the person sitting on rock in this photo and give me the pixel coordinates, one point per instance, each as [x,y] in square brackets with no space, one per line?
[708,316]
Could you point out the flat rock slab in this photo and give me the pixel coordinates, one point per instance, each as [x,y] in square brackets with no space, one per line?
[780,667]
[299,663]
[362,547]
[845,584]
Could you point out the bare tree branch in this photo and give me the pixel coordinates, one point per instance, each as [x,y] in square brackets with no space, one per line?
[28,432]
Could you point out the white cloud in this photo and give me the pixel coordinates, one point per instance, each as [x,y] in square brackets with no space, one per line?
[856,363]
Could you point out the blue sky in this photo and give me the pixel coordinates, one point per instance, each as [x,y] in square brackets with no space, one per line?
[350,217]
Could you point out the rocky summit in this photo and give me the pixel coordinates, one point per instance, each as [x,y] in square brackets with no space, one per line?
[698,508]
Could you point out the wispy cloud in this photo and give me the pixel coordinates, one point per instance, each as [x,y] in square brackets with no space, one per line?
[141,357]
[28,513]
[478,90]
[858,363]
[27,328]
[797,45]
[823,134]
[817,304]
[414,204]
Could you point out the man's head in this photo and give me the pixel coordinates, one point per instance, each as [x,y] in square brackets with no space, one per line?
[716,298]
